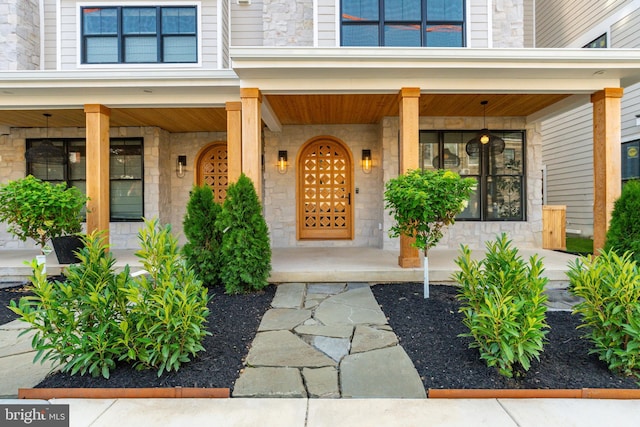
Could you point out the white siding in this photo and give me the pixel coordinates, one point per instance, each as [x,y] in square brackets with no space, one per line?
[567,153]
[561,22]
[529,23]
[478,23]
[246,24]
[69,31]
[209,32]
[328,11]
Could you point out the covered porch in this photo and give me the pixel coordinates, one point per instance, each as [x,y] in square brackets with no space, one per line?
[290,265]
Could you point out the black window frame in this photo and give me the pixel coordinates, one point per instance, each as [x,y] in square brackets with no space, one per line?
[630,161]
[424,23]
[483,176]
[600,42]
[68,145]
[122,37]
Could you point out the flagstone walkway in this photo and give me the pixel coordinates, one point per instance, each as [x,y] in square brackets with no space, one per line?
[327,340]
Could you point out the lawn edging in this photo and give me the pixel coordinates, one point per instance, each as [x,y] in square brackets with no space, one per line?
[123,393]
[584,393]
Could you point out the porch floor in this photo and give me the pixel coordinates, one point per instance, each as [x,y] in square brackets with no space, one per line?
[321,265]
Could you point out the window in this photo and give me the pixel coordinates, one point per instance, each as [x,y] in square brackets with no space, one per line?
[406,23]
[599,43]
[125,172]
[500,193]
[139,35]
[630,161]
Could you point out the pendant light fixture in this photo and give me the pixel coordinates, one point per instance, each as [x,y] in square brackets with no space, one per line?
[485,138]
[45,152]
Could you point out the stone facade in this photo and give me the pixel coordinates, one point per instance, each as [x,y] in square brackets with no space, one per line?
[288,22]
[280,189]
[508,23]
[19,35]
[473,233]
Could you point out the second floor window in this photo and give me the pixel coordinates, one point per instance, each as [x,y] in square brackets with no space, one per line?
[138,35]
[403,23]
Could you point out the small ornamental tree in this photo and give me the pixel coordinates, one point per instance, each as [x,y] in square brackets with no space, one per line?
[624,230]
[202,251]
[422,203]
[245,254]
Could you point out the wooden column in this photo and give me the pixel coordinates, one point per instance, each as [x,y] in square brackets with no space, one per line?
[234,140]
[606,160]
[252,136]
[97,121]
[409,100]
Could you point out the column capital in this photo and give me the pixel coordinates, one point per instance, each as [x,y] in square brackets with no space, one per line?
[250,92]
[233,106]
[97,108]
[409,92]
[609,92]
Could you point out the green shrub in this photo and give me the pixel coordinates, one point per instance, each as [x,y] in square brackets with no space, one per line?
[202,251]
[168,307]
[97,317]
[610,287]
[245,253]
[503,305]
[77,321]
[624,229]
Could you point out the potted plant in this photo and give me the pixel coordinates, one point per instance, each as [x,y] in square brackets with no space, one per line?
[44,212]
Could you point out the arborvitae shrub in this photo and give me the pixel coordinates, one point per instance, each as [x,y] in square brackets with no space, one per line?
[624,229]
[202,251]
[245,253]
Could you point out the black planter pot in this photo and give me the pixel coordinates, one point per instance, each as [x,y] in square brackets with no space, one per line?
[66,248]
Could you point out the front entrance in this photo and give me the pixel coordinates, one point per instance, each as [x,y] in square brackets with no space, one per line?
[325,184]
[212,169]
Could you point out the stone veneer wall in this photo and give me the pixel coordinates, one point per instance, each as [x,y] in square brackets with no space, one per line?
[472,233]
[157,203]
[280,189]
[288,22]
[188,144]
[508,23]
[19,35]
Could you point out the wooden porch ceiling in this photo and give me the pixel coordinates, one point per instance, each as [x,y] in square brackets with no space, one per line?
[295,110]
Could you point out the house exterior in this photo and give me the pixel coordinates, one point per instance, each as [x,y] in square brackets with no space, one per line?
[319,102]
[568,166]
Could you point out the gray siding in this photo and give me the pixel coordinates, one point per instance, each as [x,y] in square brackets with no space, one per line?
[625,34]
[529,23]
[567,152]
[224,33]
[561,22]
[50,35]
[246,24]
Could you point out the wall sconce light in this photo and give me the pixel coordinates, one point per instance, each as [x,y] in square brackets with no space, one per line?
[366,161]
[282,161]
[181,165]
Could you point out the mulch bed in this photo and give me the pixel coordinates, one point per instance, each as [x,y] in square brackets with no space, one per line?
[427,329]
[233,323]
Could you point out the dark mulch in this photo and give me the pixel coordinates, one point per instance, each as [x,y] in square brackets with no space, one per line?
[13,291]
[428,331]
[233,323]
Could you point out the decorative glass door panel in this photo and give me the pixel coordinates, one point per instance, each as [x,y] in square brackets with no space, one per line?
[324,191]
[212,170]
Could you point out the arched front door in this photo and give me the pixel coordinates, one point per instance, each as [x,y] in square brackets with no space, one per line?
[212,169]
[324,190]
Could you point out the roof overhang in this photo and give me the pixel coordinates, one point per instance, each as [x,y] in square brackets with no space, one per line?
[118,88]
[434,70]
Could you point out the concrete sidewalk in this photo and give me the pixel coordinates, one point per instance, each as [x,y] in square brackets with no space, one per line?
[348,412]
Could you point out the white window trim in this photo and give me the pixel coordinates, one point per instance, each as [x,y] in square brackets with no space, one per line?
[122,3]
